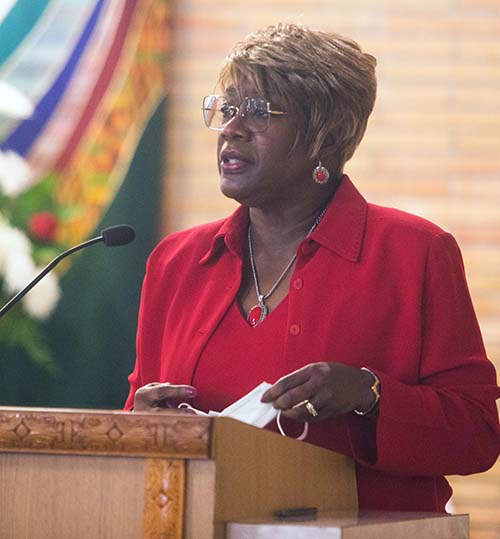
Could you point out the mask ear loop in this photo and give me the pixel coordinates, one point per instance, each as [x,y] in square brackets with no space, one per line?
[189,407]
[278,421]
[280,428]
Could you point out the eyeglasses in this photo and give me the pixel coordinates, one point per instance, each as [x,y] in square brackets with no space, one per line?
[254,113]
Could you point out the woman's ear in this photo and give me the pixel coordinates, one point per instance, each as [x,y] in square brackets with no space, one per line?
[328,151]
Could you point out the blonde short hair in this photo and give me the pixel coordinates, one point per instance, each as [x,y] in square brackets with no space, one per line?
[324,79]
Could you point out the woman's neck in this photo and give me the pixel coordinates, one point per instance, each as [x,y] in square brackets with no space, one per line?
[280,228]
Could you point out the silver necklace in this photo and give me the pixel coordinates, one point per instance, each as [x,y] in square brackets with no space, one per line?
[260,310]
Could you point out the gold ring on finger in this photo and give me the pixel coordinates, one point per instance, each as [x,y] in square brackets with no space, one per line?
[311,409]
[309,406]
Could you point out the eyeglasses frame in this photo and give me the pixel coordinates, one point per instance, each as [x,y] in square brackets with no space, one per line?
[237,113]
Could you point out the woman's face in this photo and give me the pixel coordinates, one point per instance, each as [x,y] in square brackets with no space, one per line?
[258,169]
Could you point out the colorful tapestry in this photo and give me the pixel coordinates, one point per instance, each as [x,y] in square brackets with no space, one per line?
[82,108]
[94,71]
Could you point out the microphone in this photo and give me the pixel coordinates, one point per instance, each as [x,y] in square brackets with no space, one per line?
[111,236]
[116,235]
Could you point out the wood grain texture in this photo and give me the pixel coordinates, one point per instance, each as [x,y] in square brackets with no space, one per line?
[70,496]
[259,472]
[100,432]
[164,499]
[199,516]
[84,490]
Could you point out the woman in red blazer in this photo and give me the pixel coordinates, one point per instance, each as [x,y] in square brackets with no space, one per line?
[358,314]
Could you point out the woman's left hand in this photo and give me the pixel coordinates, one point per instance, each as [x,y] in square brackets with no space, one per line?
[331,388]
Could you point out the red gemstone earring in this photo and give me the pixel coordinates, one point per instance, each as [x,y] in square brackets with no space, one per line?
[320,174]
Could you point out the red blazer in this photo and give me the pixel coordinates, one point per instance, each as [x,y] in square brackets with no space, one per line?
[372,287]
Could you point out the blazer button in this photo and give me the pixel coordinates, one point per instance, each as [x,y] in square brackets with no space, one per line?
[298,283]
[294,329]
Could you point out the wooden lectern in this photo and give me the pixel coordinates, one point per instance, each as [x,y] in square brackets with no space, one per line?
[75,474]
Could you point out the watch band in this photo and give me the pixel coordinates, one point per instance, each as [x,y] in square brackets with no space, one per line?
[376,392]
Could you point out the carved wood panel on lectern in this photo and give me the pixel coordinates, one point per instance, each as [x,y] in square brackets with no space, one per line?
[91,432]
[164,499]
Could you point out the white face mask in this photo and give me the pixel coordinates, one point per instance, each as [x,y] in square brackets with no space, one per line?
[250,410]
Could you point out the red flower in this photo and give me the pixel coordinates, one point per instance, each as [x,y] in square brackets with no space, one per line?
[43,225]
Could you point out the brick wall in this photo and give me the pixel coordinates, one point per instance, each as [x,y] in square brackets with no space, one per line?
[432,146]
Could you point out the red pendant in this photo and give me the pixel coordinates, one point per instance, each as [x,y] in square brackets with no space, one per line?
[256,315]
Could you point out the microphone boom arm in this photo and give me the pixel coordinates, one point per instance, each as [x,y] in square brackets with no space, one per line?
[44,272]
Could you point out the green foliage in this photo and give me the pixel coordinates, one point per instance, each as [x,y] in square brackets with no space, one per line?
[19,331]
[38,198]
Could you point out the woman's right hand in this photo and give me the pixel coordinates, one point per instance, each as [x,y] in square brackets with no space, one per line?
[158,396]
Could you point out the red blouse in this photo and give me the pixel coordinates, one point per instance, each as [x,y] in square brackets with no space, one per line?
[238,351]
[373,287]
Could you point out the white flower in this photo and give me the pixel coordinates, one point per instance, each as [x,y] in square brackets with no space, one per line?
[15,174]
[40,301]
[13,242]
[18,268]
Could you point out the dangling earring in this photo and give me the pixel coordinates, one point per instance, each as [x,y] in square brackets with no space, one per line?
[320,174]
